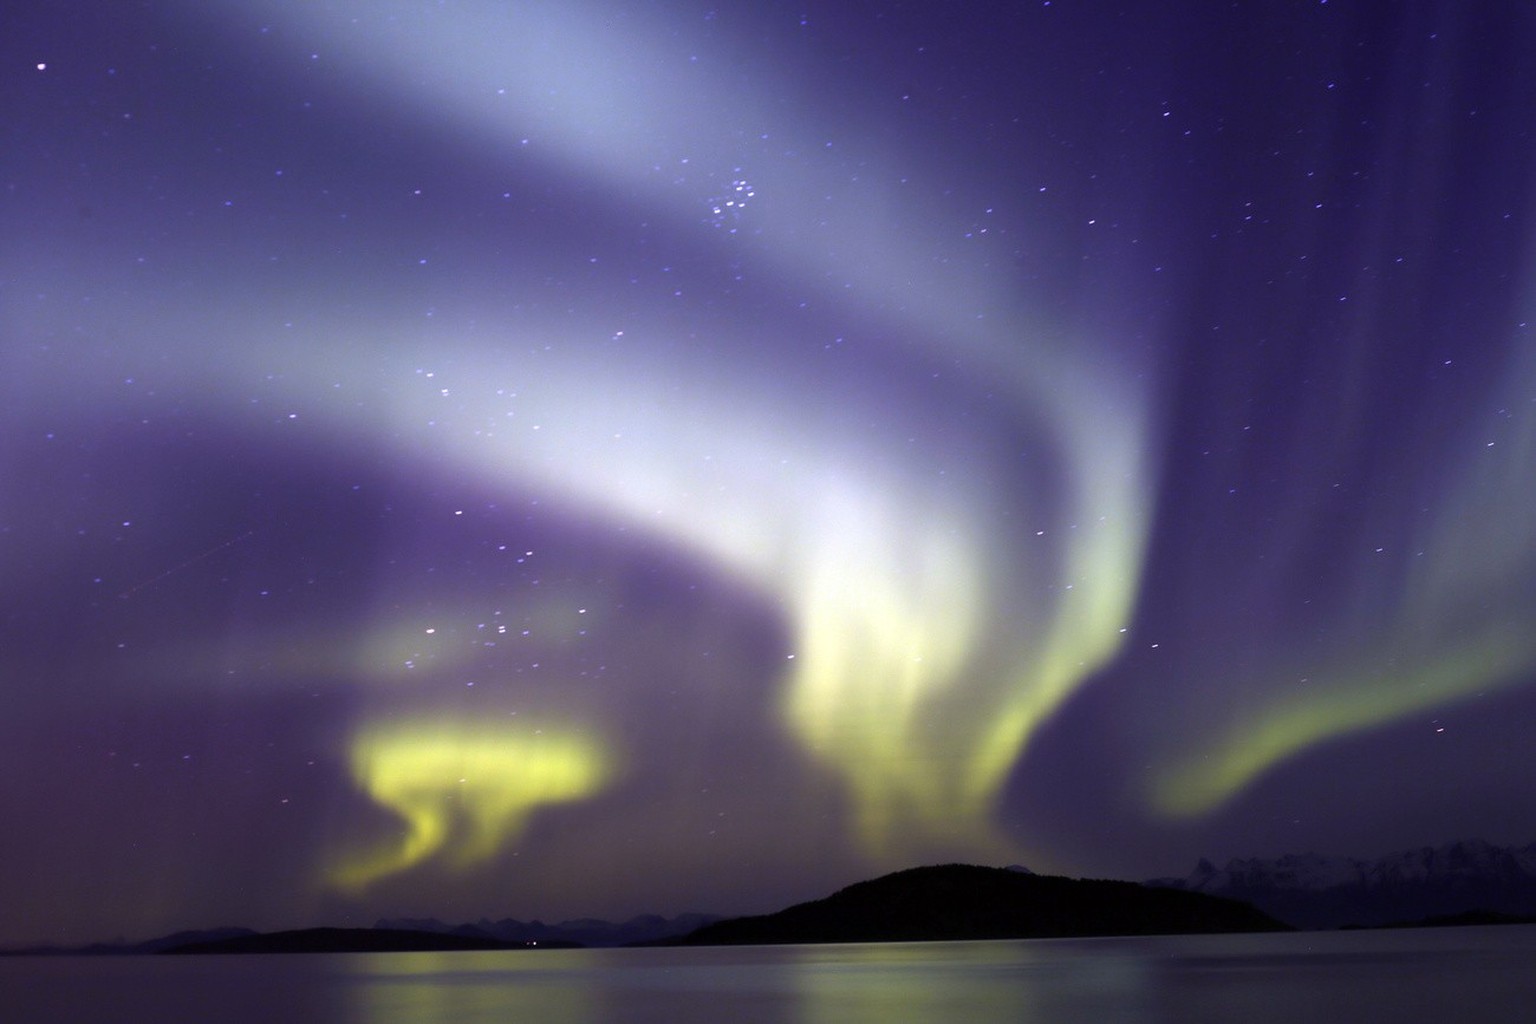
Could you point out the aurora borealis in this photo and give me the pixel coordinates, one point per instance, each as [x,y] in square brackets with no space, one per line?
[577,459]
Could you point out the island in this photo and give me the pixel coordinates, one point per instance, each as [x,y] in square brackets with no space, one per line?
[961,901]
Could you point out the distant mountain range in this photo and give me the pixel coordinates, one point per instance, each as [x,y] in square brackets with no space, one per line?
[408,934]
[401,935]
[346,940]
[156,945]
[580,932]
[1413,886]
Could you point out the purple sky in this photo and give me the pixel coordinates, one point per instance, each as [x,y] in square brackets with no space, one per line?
[576,459]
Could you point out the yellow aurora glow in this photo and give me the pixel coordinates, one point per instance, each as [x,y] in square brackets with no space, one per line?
[889,576]
[463,789]
[891,572]
[1462,628]
[840,500]
[1211,772]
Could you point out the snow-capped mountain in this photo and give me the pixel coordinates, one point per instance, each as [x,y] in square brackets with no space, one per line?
[1313,891]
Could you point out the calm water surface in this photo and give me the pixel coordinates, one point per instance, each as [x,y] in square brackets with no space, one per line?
[1411,976]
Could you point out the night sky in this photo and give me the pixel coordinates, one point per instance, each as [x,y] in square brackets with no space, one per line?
[578,458]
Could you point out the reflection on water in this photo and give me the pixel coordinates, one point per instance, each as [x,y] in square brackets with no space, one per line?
[968,981]
[1482,974]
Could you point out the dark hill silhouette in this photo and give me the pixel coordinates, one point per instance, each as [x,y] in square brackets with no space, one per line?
[958,901]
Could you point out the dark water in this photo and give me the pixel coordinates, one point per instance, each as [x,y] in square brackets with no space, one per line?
[1454,974]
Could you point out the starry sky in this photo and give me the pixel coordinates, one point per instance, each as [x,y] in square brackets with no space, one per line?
[578,458]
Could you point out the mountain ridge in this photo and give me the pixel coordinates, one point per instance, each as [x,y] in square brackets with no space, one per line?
[1311,890]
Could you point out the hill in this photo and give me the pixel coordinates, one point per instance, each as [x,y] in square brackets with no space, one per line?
[958,901]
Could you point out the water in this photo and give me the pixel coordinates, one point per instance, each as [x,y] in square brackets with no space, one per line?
[1408,977]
